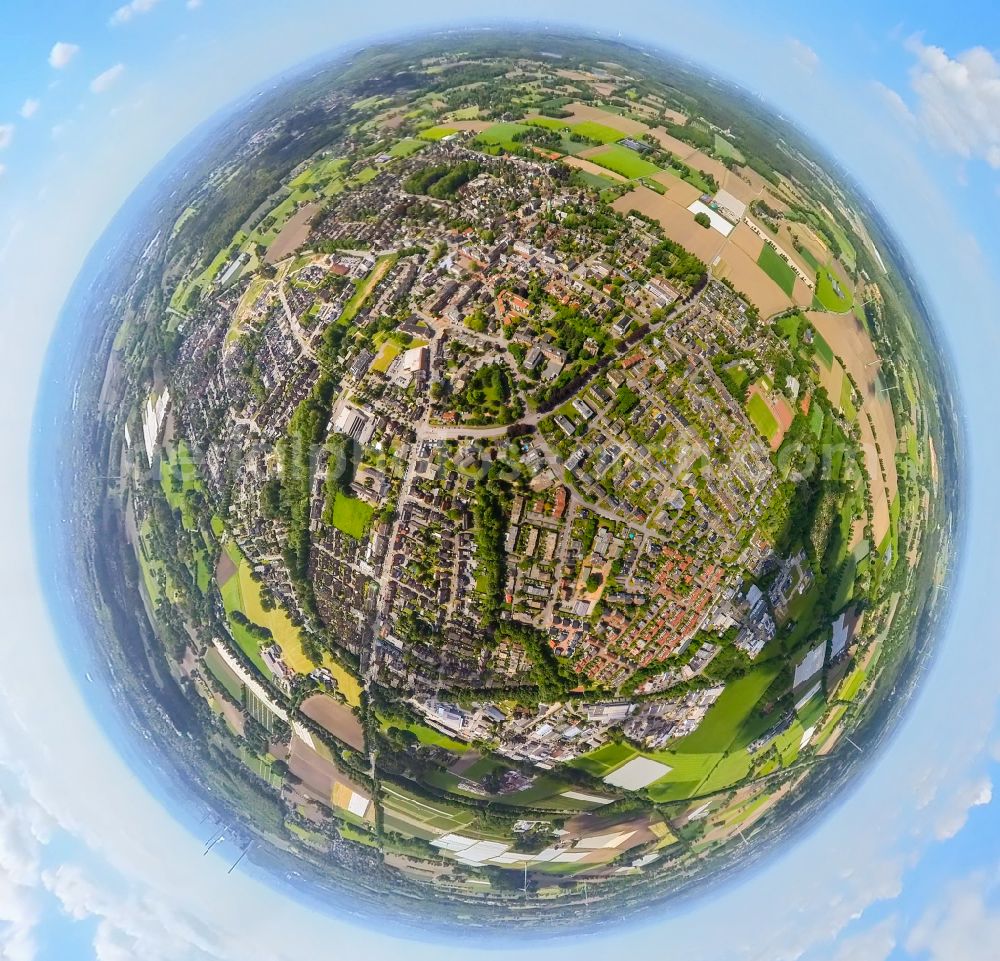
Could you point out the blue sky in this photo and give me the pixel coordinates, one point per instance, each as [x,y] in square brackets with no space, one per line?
[907,96]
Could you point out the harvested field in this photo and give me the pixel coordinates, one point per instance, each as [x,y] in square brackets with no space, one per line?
[591,168]
[292,235]
[584,113]
[675,219]
[225,569]
[681,192]
[677,147]
[742,271]
[336,718]
[744,238]
[850,341]
[318,774]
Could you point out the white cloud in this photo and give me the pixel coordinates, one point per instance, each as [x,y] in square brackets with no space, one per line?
[803,55]
[874,944]
[29,108]
[129,10]
[958,100]
[6,135]
[3,170]
[894,102]
[974,793]
[105,81]
[193,4]
[959,926]
[61,54]
[128,925]
[23,830]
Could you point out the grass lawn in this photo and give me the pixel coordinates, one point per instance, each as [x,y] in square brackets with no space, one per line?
[625,161]
[365,288]
[789,329]
[605,759]
[776,268]
[388,352]
[816,417]
[830,293]
[852,684]
[846,405]
[761,416]
[725,718]
[436,133]
[242,593]
[351,515]
[425,734]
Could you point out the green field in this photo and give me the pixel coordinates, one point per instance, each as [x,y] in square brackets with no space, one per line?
[816,417]
[776,268]
[625,161]
[550,123]
[823,350]
[598,131]
[593,180]
[502,135]
[846,404]
[852,684]
[826,292]
[223,674]
[807,255]
[725,718]
[761,416]
[178,475]
[351,515]
[425,734]
[436,133]
[364,289]
[605,759]
[403,148]
[724,148]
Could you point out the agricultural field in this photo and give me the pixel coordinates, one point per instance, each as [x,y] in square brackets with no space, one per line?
[623,160]
[502,135]
[831,292]
[437,132]
[777,269]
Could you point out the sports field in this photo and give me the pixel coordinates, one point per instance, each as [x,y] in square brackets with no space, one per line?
[761,416]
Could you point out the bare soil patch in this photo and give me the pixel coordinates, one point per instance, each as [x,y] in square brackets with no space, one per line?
[336,718]
[292,235]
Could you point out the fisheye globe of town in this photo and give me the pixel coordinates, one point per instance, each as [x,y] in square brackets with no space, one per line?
[521,479]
